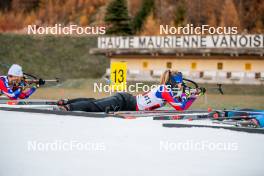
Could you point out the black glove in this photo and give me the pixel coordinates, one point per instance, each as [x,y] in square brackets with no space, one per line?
[22,85]
[41,82]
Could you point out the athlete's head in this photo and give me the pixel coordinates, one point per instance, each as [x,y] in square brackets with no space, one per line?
[172,78]
[15,73]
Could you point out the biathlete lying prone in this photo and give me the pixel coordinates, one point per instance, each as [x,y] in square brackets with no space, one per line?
[14,86]
[170,90]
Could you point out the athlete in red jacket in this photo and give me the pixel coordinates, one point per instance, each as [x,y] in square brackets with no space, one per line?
[12,85]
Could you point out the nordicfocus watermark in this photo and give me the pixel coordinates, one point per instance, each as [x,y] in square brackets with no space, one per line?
[65,146]
[132,88]
[190,29]
[191,145]
[59,29]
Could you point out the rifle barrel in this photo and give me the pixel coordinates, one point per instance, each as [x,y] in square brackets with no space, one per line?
[51,80]
[46,80]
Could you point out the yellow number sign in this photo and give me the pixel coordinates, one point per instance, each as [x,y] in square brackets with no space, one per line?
[118,75]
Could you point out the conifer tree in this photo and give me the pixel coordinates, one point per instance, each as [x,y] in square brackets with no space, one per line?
[180,14]
[142,15]
[117,20]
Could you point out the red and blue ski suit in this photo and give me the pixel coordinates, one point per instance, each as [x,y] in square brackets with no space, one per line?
[122,101]
[161,95]
[12,92]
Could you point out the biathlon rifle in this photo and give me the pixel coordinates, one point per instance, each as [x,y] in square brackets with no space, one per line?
[31,79]
[195,86]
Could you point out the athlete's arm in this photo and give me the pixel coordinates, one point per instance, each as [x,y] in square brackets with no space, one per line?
[13,95]
[182,105]
[27,93]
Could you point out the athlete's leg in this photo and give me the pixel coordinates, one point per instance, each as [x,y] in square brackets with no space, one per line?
[80,99]
[69,101]
[117,102]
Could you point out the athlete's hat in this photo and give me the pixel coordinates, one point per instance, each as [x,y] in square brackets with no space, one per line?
[15,70]
[177,78]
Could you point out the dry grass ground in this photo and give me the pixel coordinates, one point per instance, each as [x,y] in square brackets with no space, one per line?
[230,101]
